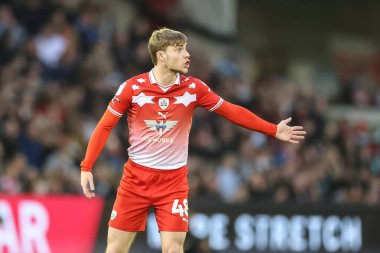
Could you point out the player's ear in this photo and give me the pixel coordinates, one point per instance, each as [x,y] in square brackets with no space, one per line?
[160,56]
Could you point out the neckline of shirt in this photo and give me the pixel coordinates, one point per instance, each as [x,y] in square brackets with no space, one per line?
[153,80]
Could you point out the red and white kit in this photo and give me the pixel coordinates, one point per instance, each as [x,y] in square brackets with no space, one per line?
[159,122]
[159,117]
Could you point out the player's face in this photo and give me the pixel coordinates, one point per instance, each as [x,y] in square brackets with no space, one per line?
[177,59]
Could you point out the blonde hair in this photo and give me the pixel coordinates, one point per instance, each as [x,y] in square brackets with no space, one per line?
[162,38]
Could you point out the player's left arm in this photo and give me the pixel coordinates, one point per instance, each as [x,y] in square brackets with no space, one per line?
[245,118]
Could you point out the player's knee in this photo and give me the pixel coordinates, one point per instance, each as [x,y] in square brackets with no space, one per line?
[173,248]
[116,248]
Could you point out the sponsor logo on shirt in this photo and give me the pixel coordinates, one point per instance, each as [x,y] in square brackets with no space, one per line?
[158,140]
[161,126]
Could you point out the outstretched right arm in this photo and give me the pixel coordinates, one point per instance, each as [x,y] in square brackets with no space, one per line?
[95,145]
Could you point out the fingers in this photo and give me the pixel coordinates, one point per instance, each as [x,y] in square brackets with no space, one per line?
[293,141]
[297,135]
[88,193]
[86,179]
[299,132]
[300,137]
[92,187]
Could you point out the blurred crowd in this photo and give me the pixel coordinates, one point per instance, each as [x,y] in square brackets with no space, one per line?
[61,63]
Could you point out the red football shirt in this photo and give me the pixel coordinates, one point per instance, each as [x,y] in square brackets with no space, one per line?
[160,117]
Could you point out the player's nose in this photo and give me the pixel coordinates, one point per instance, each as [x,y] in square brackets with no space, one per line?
[187,54]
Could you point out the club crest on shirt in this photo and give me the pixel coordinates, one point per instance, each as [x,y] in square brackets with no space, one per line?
[163,103]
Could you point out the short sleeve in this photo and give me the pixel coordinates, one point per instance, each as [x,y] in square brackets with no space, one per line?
[206,97]
[122,99]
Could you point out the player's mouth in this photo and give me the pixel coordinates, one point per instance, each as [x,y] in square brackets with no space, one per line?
[187,64]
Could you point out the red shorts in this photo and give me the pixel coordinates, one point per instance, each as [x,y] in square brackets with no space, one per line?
[141,188]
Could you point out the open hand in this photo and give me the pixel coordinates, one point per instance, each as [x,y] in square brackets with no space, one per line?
[289,133]
[86,179]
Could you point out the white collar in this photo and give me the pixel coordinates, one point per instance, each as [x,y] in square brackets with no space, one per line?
[153,80]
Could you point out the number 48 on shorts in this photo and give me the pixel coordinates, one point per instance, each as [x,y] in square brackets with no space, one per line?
[181,209]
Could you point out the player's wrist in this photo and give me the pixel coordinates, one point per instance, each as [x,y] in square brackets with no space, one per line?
[86,166]
[273,131]
[83,169]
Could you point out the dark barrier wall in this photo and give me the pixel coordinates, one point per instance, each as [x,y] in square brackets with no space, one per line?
[35,224]
[270,228]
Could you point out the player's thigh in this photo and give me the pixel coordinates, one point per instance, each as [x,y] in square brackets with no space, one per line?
[130,212]
[119,241]
[172,212]
[172,241]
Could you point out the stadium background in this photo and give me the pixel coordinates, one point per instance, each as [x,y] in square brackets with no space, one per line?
[317,61]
